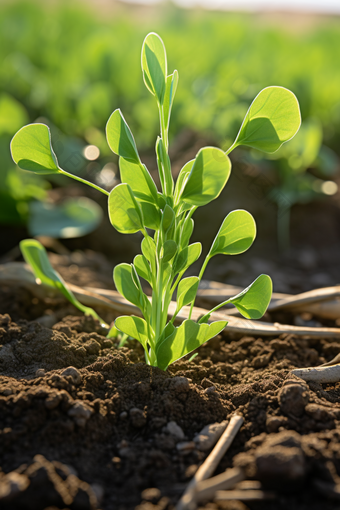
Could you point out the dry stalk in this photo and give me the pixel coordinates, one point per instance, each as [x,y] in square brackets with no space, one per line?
[244,495]
[19,273]
[188,500]
[322,374]
[206,489]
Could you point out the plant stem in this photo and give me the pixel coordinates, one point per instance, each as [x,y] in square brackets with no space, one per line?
[231,148]
[214,309]
[84,181]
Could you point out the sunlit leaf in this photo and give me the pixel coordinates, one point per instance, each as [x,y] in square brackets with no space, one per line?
[31,150]
[124,211]
[122,276]
[139,180]
[187,257]
[154,65]
[253,301]
[169,250]
[135,327]
[207,178]
[170,91]
[187,290]
[236,235]
[182,178]
[120,138]
[272,119]
[35,255]
[185,339]
[142,267]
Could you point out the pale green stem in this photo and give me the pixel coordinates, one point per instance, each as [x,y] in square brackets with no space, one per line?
[84,181]
[217,307]
[231,148]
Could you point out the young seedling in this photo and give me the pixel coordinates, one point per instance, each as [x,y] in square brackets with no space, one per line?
[165,217]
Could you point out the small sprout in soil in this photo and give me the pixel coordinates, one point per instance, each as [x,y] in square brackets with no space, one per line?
[165,217]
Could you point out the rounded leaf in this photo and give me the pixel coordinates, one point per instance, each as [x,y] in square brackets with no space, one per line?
[135,327]
[207,178]
[124,211]
[154,65]
[253,301]
[120,138]
[272,119]
[236,235]
[187,290]
[31,150]
[122,276]
[139,179]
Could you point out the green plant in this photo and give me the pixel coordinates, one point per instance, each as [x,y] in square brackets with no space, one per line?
[136,205]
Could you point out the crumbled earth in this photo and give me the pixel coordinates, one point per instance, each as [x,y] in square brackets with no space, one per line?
[85,425]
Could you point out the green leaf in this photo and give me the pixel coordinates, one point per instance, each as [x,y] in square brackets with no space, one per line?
[154,65]
[35,255]
[187,290]
[207,178]
[168,218]
[31,150]
[139,179]
[185,339]
[186,257]
[151,215]
[170,91]
[187,231]
[182,178]
[148,248]
[120,138]
[169,250]
[164,167]
[122,276]
[143,268]
[272,119]
[75,217]
[253,301]
[124,211]
[135,327]
[236,235]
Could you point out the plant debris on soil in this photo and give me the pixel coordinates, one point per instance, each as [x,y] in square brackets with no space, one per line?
[85,425]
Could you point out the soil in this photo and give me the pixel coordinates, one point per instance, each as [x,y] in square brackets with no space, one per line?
[85,425]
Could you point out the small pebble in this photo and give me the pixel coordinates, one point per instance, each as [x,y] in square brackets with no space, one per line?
[74,373]
[40,372]
[152,495]
[80,412]
[175,430]
[210,390]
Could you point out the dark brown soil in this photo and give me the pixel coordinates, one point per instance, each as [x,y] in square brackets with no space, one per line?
[97,435]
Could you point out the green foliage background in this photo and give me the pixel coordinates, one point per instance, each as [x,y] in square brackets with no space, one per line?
[74,66]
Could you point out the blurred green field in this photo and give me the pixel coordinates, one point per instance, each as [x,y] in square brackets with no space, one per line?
[73,66]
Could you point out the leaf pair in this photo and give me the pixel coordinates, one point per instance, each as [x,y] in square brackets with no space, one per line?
[186,338]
